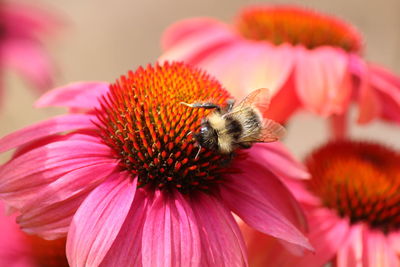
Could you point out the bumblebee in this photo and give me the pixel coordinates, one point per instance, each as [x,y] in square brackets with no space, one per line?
[237,126]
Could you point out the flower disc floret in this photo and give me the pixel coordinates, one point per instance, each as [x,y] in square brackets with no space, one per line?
[292,25]
[152,133]
[360,181]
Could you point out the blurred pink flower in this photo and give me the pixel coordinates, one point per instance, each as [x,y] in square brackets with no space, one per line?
[18,249]
[352,205]
[22,28]
[309,60]
[124,181]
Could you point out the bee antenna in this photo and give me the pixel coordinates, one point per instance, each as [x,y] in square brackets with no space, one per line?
[186,104]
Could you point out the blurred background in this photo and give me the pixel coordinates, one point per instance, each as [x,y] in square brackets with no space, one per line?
[104,39]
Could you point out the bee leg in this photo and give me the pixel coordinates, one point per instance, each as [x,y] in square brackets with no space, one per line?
[229,104]
[206,105]
[198,152]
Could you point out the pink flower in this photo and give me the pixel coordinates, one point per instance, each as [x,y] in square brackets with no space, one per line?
[123,180]
[309,60]
[352,205]
[22,28]
[18,249]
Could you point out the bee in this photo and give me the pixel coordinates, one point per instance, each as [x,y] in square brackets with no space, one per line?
[237,126]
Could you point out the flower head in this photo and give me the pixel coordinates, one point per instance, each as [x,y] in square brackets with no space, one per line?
[22,29]
[309,60]
[352,204]
[127,182]
[20,249]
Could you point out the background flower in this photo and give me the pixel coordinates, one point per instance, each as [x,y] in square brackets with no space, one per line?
[125,182]
[308,59]
[352,205]
[22,30]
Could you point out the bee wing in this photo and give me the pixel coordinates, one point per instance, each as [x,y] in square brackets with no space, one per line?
[271,131]
[259,98]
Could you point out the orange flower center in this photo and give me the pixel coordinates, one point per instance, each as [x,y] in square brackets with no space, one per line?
[360,181]
[297,26]
[48,253]
[152,133]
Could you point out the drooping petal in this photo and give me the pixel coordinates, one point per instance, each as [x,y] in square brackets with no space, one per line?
[247,66]
[127,247]
[377,251]
[387,86]
[350,252]
[221,241]
[99,219]
[184,29]
[284,103]
[262,201]
[278,159]
[170,234]
[322,79]
[45,128]
[394,240]
[50,213]
[75,95]
[30,59]
[368,100]
[189,40]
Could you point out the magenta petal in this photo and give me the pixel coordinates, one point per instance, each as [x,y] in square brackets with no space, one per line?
[44,128]
[24,176]
[323,81]
[170,234]
[264,203]
[127,247]
[50,213]
[99,219]
[76,95]
[222,243]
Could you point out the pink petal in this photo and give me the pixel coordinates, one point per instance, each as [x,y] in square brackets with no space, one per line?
[195,46]
[394,240]
[170,234]
[387,86]
[279,160]
[99,219]
[45,128]
[221,241]
[350,252]
[14,248]
[187,28]
[322,78]
[75,95]
[43,214]
[369,102]
[377,251]
[127,247]
[262,201]
[30,59]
